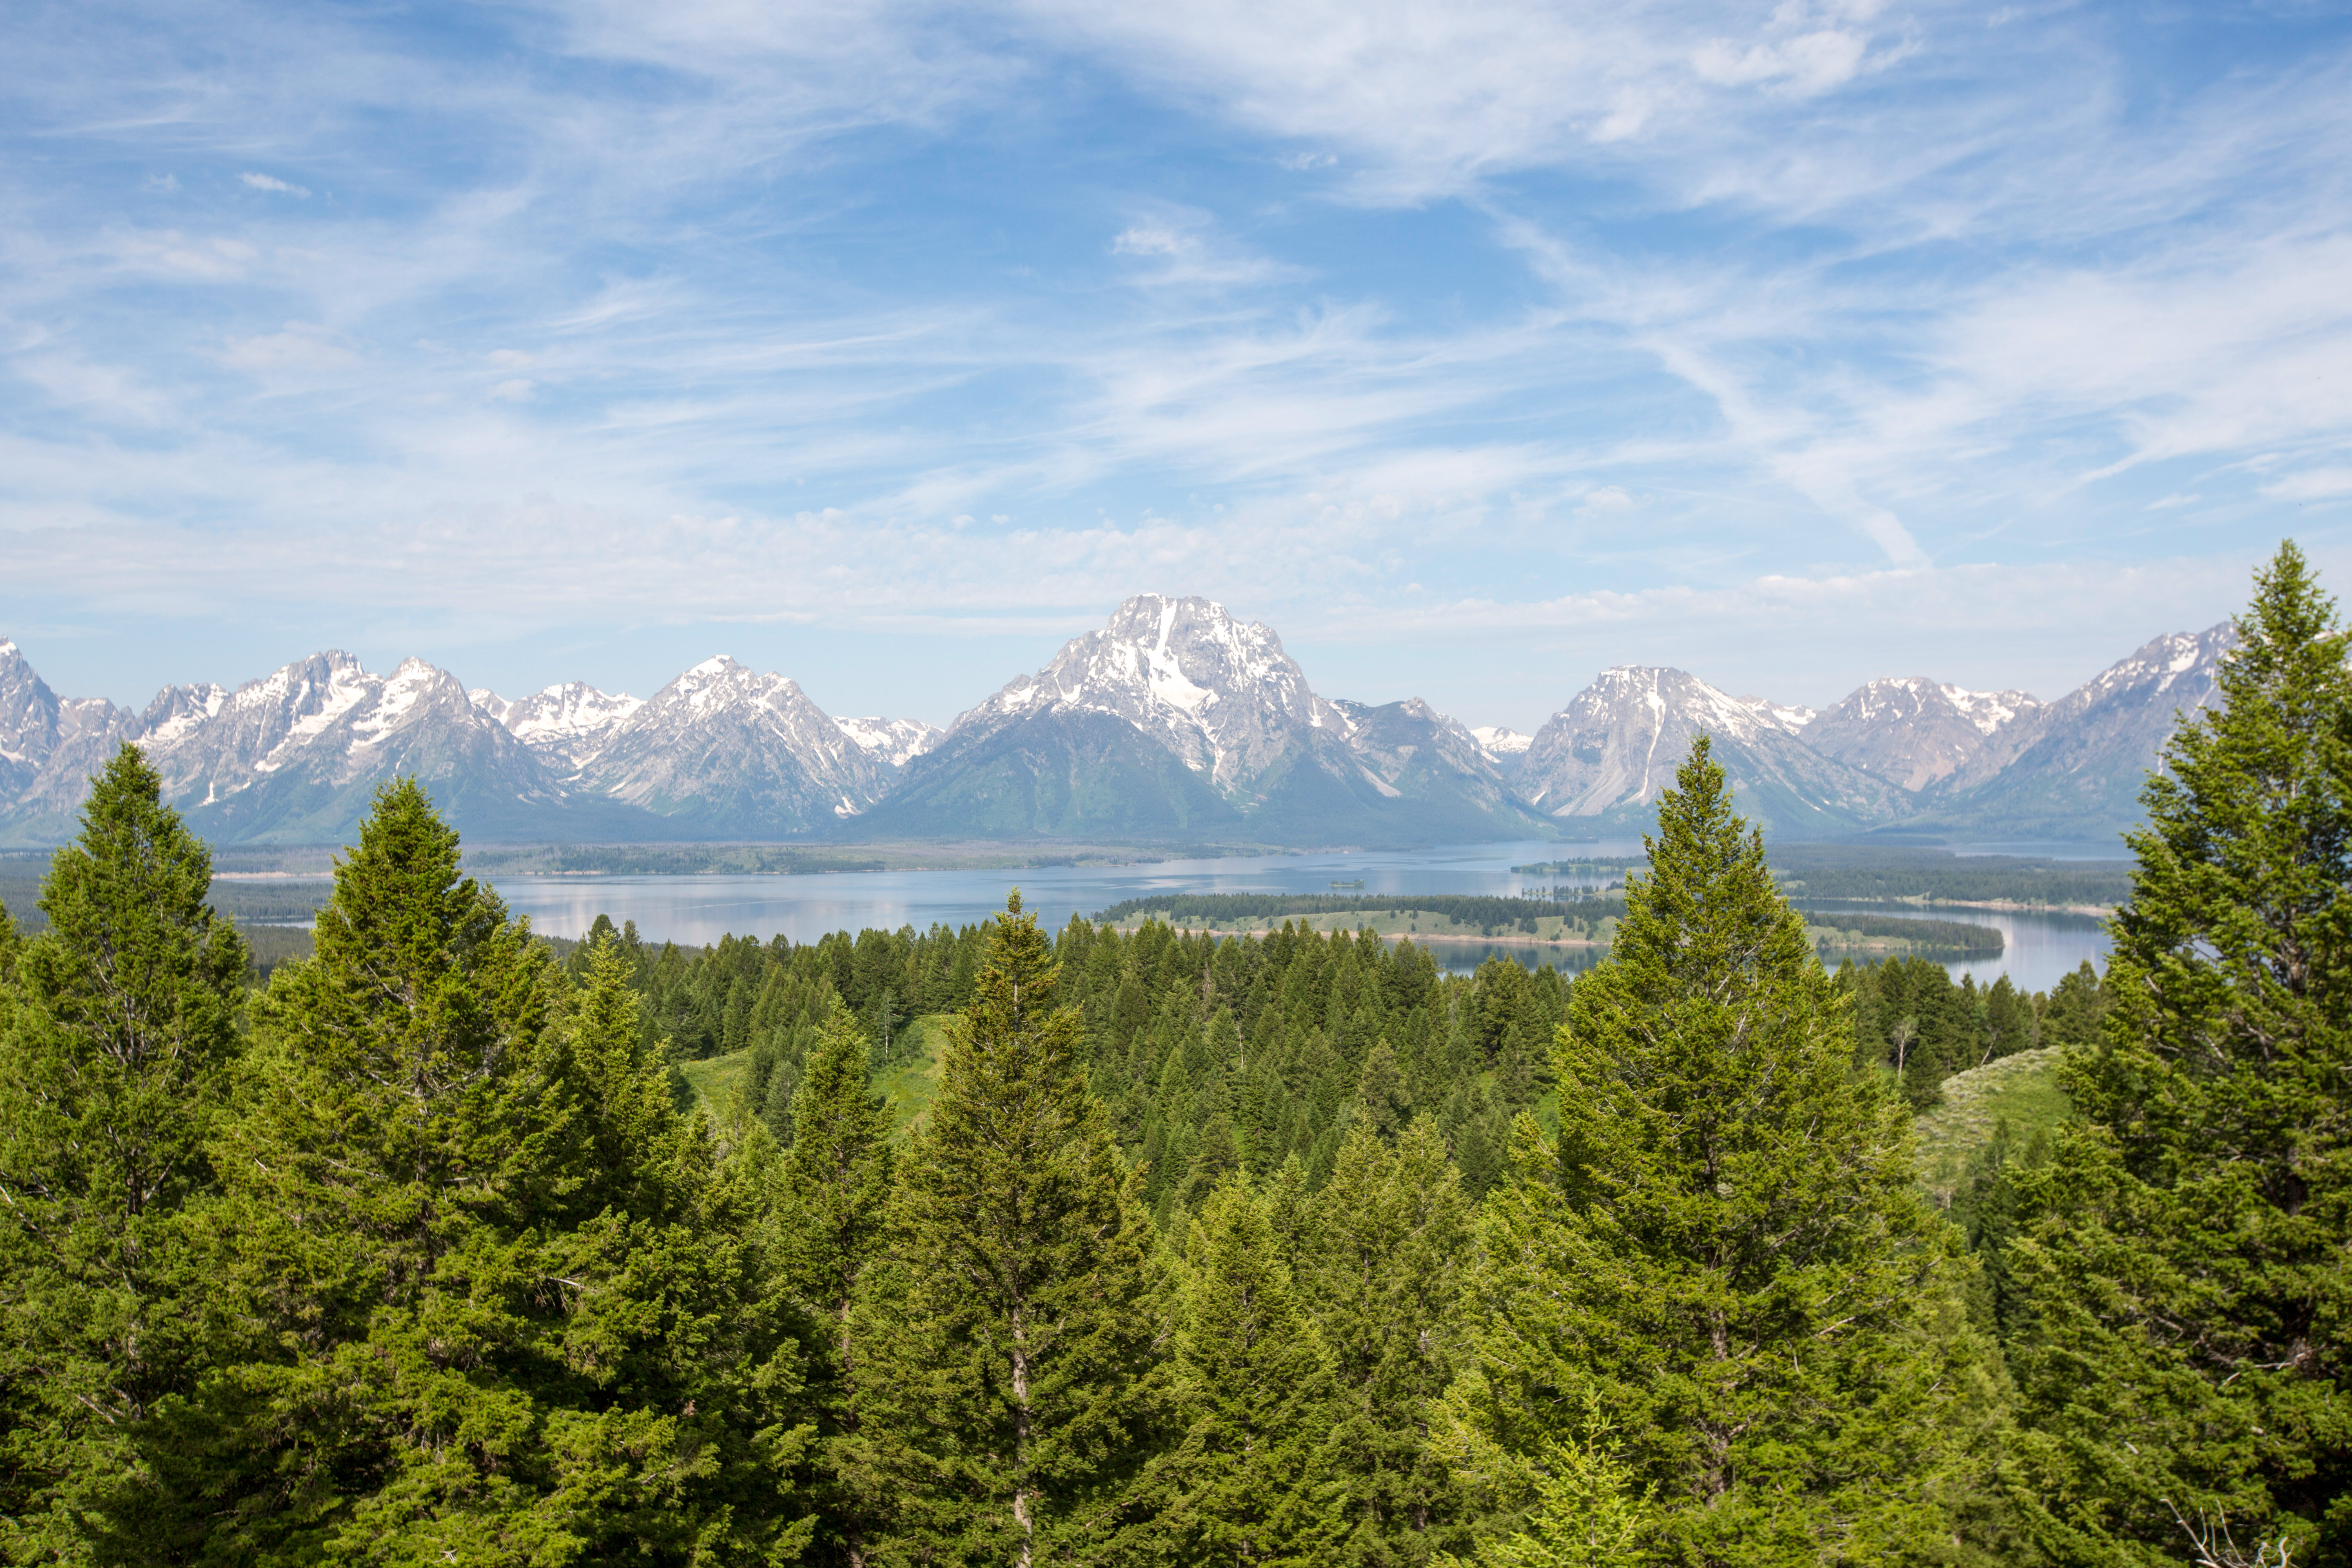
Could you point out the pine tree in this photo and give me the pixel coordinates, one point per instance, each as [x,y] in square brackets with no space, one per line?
[1723,1261]
[1254,1394]
[834,1188]
[1383,1276]
[117,1029]
[667,1382]
[2183,1360]
[1015,1397]
[479,1294]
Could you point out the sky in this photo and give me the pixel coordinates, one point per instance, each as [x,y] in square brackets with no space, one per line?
[1474,347]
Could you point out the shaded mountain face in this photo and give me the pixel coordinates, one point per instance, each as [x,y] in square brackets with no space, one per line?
[722,751]
[1053,772]
[1608,755]
[1258,753]
[1916,732]
[2078,771]
[1430,776]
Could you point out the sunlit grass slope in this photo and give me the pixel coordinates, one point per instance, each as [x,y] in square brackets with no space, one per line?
[2021,1091]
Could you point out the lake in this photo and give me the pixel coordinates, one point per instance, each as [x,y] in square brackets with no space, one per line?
[695,910]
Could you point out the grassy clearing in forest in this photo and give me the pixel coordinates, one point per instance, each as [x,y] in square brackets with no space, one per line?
[714,1079]
[2021,1091]
[908,1087]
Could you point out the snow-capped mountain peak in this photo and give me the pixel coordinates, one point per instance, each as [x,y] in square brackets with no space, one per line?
[1500,742]
[1220,693]
[571,721]
[1916,732]
[1781,715]
[725,743]
[1614,748]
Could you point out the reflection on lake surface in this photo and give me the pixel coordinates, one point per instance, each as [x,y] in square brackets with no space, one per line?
[2037,948]
[692,911]
[699,910]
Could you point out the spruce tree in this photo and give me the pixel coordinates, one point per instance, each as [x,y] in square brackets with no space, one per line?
[834,1185]
[1723,1266]
[1017,1398]
[1255,1395]
[481,1294]
[1383,1276]
[2183,1360]
[117,1029]
[668,1381]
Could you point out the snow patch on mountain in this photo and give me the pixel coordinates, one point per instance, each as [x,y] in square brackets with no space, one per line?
[1500,742]
[896,741]
[1777,714]
[1219,693]
[571,721]
[1918,733]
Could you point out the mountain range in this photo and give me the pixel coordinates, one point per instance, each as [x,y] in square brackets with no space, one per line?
[1174,722]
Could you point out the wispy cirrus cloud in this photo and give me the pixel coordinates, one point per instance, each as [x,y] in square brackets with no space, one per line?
[1377,305]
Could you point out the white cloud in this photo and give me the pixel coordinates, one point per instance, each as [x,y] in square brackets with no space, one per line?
[2312,484]
[113,395]
[1150,239]
[271,183]
[299,349]
[516,391]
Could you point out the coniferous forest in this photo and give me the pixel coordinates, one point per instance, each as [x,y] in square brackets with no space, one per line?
[1280,1249]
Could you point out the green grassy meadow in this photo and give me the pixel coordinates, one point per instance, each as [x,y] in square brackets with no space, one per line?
[2021,1091]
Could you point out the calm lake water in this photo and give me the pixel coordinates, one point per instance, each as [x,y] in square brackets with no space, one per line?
[698,909]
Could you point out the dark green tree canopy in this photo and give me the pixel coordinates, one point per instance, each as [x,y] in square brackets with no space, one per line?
[2184,1356]
[118,1032]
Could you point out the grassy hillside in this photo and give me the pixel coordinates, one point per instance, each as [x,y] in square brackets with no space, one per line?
[907,1086]
[2021,1091]
[714,1079]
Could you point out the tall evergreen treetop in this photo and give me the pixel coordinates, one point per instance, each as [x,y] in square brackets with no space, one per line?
[481,1294]
[1015,1397]
[117,1026]
[141,981]
[2185,1355]
[1725,1263]
[830,1213]
[1255,1394]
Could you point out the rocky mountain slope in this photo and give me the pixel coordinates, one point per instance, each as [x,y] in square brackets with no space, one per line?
[1601,761]
[1175,721]
[1914,733]
[1082,748]
[50,746]
[2077,770]
[730,753]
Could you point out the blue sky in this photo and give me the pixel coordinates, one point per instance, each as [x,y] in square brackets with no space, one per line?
[1474,347]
